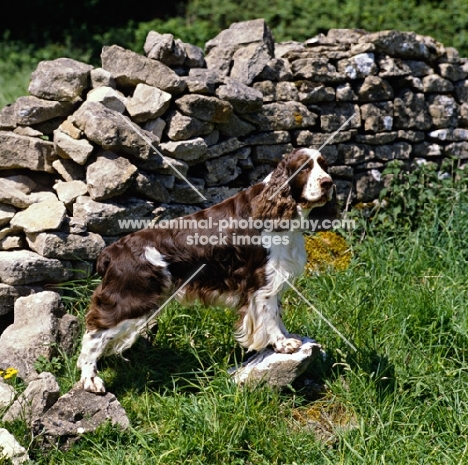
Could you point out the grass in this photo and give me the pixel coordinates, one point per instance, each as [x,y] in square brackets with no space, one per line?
[400,399]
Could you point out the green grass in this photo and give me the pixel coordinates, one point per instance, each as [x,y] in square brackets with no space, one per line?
[400,399]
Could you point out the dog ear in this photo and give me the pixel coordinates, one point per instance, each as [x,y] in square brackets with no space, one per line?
[330,211]
[275,201]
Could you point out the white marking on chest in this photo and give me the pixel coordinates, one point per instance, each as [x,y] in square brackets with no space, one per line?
[155,257]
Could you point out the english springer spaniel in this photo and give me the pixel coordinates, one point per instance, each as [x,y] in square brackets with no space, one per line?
[237,253]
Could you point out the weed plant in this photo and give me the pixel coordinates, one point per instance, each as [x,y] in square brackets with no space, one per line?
[401,398]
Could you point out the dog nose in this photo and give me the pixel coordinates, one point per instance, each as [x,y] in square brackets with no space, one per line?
[326,183]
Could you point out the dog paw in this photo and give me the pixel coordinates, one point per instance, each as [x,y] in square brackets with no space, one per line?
[287,345]
[94,384]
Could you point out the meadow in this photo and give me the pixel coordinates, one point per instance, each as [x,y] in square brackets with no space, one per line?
[400,398]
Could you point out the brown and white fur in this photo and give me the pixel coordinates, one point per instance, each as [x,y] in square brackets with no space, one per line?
[142,270]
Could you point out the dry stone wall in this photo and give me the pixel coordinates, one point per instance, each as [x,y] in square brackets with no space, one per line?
[83,151]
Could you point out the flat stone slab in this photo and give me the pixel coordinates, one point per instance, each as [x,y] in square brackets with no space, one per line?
[274,369]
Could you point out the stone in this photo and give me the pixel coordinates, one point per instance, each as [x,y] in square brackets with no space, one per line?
[27,131]
[111,218]
[392,67]
[69,170]
[147,103]
[21,182]
[42,216]
[78,412]
[398,150]
[270,154]
[109,97]
[41,393]
[278,91]
[419,68]
[68,128]
[26,152]
[358,66]
[457,149]
[227,146]
[69,148]
[8,295]
[374,89]
[8,117]
[190,151]
[235,127]
[129,69]
[410,111]
[345,93]
[155,126]
[318,139]
[101,78]
[66,246]
[273,137]
[334,115]
[436,84]
[164,48]
[19,267]
[444,111]
[249,63]
[186,194]
[380,138]
[12,242]
[110,175]
[204,81]
[452,71]
[316,69]
[151,186]
[352,154]
[377,116]
[368,186]
[205,108]
[181,127]
[63,80]
[11,449]
[281,116]
[12,196]
[195,58]
[7,395]
[69,191]
[274,369]
[244,99]
[427,149]
[32,110]
[314,92]
[7,212]
[69,325]
[33,333]
[113,131]
[221,171]
[398,44]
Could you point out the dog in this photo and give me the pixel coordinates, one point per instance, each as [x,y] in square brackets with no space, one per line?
[208,262]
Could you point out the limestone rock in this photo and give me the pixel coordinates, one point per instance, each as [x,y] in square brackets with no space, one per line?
[377,116]
[25,267]
[276,370]
[7,394]
[40,216]
[66,246]
[190,151]
[12,196]
[205,108]
[69,170]
[109,97]
[69,191]
[164,48]
[7,212]
[398,44]
[68,147]
[203,81]
[221,171]
[26,152]
[33,333]
[78,412]
[150,186]
[8,295]
[244,99]
[334,115]
[411,111]
[33,110]
[11,449]
[316,69]
[437,84]
[111,218]
[281,116]
[181,127]
[41,393]
[444,111]
[62,79]
[101,78]
[147,103]
[249,63]
[129,69]
[374,89]
[358,66]
[112,131]
[109,176]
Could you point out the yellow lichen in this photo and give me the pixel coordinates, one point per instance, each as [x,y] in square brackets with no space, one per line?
[326,250]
